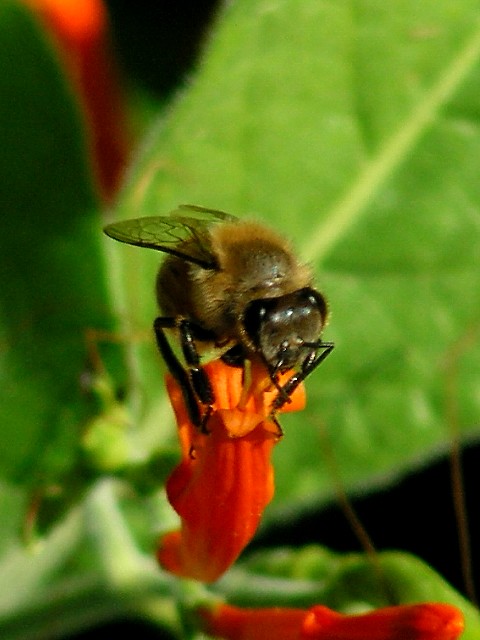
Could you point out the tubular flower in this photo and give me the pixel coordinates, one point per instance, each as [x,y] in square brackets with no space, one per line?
[429,621]
[225,478]
[80,30]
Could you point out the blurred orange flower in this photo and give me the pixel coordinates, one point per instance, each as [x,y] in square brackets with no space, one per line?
[429,621]
[225,478]
[80,31]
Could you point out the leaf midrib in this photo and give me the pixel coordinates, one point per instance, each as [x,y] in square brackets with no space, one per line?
[349,208]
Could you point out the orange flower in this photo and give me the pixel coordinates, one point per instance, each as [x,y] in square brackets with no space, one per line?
[429,621]
[225,478]
[80,29]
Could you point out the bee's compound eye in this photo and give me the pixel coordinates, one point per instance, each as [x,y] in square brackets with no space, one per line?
[254,316]
[316,301]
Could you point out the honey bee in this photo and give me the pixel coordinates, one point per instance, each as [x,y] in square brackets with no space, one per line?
[236,288]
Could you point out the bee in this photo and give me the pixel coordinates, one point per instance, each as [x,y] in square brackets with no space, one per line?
[233,287]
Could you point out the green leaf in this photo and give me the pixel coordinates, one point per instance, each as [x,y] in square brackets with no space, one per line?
[355,132]
[52,267]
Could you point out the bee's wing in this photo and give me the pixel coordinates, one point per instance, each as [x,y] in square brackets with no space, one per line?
[195,212]
[183,233]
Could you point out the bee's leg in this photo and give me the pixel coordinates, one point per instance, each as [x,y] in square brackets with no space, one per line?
[200,382]
[234,357]
[176,368]
[279,433]
[310,363]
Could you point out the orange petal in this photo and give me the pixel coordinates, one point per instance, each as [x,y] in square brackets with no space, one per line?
[75,20]
[235,623]
[243,406]
[220,493]
[429,621]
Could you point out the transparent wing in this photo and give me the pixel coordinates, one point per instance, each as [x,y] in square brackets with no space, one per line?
[183,233]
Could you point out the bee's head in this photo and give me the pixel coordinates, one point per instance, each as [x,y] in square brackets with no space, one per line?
[285,329]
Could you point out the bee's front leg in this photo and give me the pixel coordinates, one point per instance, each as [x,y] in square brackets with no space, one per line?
[200,382]
[309,364]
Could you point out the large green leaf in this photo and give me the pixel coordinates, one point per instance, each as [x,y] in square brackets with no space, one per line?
[53,289]
[355,132]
